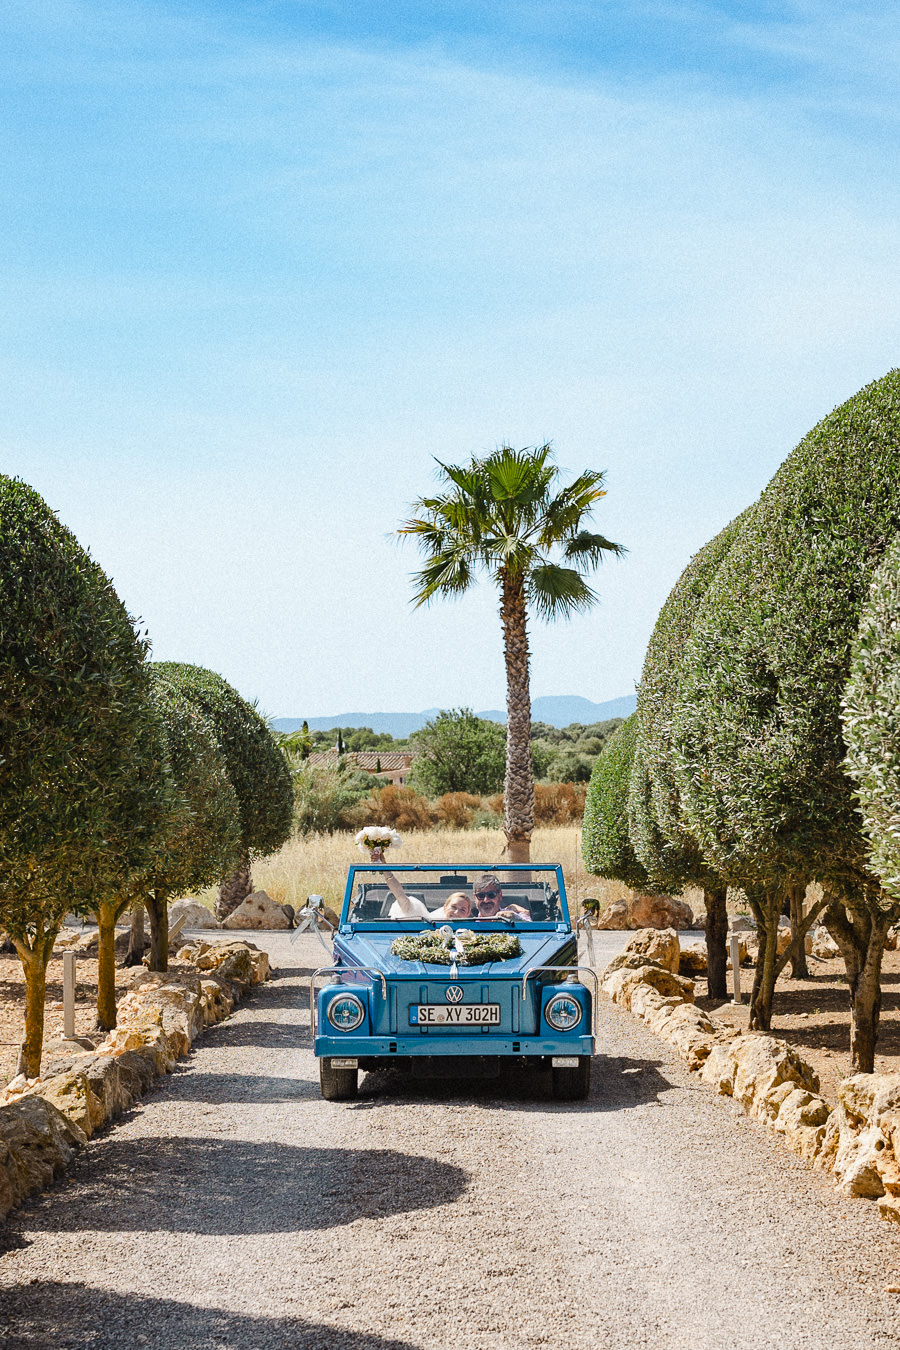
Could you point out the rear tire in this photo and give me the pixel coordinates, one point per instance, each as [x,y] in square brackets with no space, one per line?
[573,1085]
[338,1085]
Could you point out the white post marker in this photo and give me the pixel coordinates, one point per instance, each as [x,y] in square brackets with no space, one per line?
[736,967]
[69,995]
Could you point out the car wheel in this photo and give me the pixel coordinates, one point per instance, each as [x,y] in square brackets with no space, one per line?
[338,1085]
[573,1085]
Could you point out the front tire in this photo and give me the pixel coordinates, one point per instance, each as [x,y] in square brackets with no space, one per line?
[573,1085]
[338,1085]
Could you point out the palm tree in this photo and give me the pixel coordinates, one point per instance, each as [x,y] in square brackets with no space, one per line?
[499,514]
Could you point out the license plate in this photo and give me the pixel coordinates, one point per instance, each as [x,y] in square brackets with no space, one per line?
[464,1015]
[560,1061]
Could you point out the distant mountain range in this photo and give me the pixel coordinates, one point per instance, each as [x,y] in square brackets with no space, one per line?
[559,711]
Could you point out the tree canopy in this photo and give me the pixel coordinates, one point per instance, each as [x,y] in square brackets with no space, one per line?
[606,846]
[458,752]
[257,769]
[758,719]
[660,834]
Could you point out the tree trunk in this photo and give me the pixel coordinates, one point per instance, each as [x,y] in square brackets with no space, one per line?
[518,789]
[861,935]
[136,940]
[158,913]
[234,889]
[34,964]
[106,966]
[766,911]
[799,967]
[716,942]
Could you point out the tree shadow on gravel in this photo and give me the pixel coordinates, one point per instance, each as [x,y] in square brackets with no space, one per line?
[264,1035]
[616,1084]
[52,1315]
[227,1187]
[218,1089]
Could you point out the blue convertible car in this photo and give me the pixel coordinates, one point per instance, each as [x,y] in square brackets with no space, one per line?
[424,980]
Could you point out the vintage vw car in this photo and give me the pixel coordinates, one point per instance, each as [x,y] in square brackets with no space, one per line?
[413,989]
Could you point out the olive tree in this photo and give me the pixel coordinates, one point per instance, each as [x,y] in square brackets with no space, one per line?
[198,839]
[872,737]
[256,767]
[605,841]
[81,776]
[661,836]
[458,752]
[757,726]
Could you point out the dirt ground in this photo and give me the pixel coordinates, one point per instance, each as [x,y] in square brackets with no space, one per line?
[12,995]
[814,1015]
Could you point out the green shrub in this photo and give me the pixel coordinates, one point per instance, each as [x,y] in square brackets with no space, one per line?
[325,798]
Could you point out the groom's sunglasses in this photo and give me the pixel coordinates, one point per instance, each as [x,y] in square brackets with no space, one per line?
[487,895]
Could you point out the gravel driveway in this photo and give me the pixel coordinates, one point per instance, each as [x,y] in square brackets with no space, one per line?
[236,1210]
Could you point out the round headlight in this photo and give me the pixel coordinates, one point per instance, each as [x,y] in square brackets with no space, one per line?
[563,1012]
[346,1012]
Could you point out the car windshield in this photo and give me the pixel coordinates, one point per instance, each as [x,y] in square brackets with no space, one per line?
[453,895]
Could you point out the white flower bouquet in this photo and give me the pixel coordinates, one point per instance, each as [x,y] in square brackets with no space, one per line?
[377,836]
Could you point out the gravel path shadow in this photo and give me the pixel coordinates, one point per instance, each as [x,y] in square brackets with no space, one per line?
[236,1210]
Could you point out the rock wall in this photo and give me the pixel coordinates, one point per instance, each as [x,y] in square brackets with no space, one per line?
[858,1140]
[42,1121]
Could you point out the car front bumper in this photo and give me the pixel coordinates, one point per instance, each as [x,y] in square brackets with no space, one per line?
[447,1047]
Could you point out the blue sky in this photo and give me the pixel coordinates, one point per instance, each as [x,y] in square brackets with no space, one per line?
[260,263]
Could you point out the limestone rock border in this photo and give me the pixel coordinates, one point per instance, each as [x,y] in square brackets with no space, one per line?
[44,1121]
[858,1140]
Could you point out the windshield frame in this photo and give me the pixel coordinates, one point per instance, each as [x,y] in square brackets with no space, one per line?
[422,870]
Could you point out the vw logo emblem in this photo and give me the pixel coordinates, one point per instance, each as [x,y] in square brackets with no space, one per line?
[454,993]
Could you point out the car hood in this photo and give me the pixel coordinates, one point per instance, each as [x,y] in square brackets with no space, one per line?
[374,949]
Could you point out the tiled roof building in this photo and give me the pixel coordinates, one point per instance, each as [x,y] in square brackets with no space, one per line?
[391,765]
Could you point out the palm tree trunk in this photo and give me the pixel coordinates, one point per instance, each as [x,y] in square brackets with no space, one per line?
[518,792]
[234,889]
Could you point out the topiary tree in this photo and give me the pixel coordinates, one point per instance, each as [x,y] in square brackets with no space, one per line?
[605,841]
[872,737]
[757,725]
[257,770]
[660,835]
[81,779]
[198,841]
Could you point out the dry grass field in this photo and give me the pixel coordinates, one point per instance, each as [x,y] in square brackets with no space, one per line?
[317,864]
